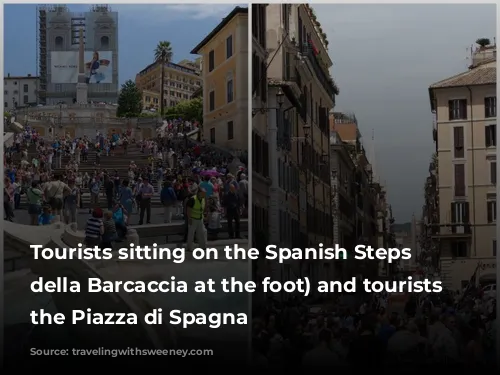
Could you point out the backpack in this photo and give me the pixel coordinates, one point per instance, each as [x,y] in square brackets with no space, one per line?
[95,188]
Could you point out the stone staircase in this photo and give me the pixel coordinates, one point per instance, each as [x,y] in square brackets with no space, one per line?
[110,163]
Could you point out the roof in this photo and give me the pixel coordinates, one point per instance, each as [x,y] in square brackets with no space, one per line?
[21,77]
[168,64]
[236,11]
[480,75]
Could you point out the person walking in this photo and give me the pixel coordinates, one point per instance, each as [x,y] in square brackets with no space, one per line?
[127,199]
[71,202]
[231,203]
[168,200]
[146,191]
[95,188]
[195,212]
[94,228]
[54,191]
[35,198]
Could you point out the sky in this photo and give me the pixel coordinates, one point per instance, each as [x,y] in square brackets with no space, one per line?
[385,58]
[141,27]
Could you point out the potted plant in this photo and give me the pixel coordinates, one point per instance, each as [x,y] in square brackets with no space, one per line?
[483,42]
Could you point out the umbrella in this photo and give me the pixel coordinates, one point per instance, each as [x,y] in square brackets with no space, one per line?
[210,173]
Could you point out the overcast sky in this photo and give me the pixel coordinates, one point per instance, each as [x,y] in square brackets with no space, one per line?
[385,57]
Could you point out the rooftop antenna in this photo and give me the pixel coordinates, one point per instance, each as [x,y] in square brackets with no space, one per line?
[469,56]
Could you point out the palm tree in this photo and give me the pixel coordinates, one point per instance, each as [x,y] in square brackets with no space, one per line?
[163,54]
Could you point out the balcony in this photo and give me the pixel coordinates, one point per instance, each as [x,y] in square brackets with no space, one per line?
[325,80]
[452,231]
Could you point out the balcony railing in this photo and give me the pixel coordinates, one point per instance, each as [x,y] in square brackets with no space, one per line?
[452,230]
[324,79]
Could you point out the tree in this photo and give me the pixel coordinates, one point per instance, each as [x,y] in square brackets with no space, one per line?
[190,110]
[163,54]
[129,101]
[483,42]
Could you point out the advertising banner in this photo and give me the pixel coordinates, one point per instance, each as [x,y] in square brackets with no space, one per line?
[98,66]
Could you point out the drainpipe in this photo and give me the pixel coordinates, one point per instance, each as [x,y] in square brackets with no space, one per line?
[473,171]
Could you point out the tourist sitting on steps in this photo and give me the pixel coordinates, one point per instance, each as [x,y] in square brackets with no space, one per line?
[120,217]
[94,228]
[110,233]
[46,217]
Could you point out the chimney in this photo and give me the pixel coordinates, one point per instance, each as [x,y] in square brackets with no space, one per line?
[484,52]
[8,75]
[29,75]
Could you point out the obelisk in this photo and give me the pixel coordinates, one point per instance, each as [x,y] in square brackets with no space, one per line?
[81,86]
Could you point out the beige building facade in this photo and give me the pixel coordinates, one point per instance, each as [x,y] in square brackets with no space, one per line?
[224,56]
[20,91]
[180,82]
[464,131]
[292,96]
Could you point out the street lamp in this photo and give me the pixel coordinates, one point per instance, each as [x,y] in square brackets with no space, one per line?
[280,97]
[307,130]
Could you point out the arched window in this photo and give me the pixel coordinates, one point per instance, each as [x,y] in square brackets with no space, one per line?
[59,41]
[104,42]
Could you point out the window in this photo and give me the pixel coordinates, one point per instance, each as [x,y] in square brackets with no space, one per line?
[457,109]
[5,105]
[458,140]
[59,42]
[25,99]
[459,249]
[211,101]
[490,106]
[16,92]
[25,88]
[459,180]
[212,135]
[492,211]
[230,92]
[58,87]
[211,60]
[493,172]
[490,135]
[459,212]
[494,248]
[230,130]
[6,92]
[229,46]
[104,42]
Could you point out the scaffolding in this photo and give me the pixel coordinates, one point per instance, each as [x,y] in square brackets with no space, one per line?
[100,8]
[41,53]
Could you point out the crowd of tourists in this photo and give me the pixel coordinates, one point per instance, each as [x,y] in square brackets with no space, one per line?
[440,329]
[195,182]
